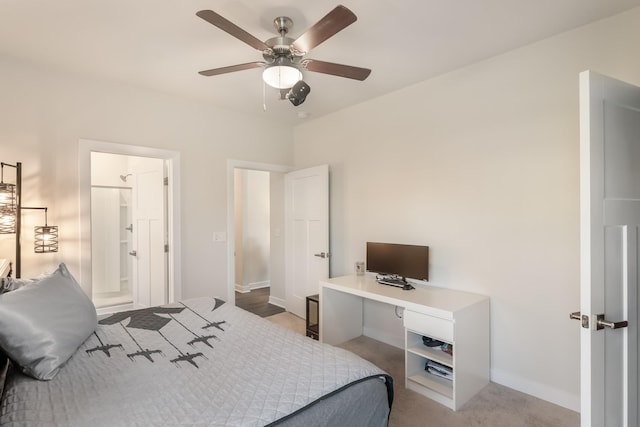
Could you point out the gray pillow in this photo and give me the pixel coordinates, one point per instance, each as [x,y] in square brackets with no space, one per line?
[43,323]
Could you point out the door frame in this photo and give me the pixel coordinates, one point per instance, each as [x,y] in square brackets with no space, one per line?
[231,238]
[85,148]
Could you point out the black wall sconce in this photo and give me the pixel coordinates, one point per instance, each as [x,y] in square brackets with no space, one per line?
[46,237]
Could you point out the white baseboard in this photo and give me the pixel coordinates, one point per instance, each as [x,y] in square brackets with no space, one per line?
[277,301]
[541,391]
[243,289]
[259,285]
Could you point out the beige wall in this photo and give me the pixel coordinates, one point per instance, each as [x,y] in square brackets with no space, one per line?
[481,164]
[43,114]
[252,227]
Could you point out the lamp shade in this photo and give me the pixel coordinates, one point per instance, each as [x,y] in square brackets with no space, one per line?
[8,208]
[7,194]
[46,239]
[7,220]
[281,76]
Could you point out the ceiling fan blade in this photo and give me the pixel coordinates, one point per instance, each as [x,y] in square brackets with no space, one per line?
[339,70]
[231,68]
[335,21]
[225,25]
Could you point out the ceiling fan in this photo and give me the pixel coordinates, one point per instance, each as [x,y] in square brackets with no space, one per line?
[283,56]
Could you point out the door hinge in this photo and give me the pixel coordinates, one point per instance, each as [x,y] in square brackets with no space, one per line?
[166,248]
[166,181]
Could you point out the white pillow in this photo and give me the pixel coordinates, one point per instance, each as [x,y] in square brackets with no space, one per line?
[44,322]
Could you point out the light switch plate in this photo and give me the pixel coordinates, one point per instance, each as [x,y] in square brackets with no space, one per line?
[219,236]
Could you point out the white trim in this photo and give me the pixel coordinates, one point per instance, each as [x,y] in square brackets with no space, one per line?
[541,391]
[243,289]
[259,285]
[277,301]
[231,235]
[85,148]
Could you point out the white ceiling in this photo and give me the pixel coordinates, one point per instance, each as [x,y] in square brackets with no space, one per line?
[162,44]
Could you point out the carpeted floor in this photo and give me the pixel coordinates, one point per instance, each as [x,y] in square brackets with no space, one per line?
[494,406]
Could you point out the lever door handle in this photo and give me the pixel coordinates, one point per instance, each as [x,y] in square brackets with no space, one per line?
[576,315]
[322,255]
[133,253]
[601,323]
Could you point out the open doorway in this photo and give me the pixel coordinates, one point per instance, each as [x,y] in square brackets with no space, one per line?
[111,240]
[128,231]
[129,198]
[256,278]
[253,239]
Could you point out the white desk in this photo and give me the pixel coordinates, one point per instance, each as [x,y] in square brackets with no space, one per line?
[455,317]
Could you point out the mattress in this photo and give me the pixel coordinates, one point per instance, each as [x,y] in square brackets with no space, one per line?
[200,362]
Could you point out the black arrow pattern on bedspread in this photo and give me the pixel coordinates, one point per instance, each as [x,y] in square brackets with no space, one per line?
[145,318]
[151,319]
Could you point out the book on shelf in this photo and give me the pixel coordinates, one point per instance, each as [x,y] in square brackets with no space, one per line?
[439,370]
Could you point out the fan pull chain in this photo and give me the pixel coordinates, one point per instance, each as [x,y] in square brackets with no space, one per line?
[264,97]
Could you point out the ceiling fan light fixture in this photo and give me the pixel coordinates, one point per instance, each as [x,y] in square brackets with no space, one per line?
[281,76]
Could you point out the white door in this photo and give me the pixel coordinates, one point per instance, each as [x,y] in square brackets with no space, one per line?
[106,230]
[610,215]
[149,268]
[307,234]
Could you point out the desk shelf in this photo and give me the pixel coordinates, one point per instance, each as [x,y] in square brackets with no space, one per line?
[431,382]
[415,346]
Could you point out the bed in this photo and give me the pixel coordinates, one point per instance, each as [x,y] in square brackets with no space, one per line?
[196,362]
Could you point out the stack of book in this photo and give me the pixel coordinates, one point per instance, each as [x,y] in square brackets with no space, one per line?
[439,370]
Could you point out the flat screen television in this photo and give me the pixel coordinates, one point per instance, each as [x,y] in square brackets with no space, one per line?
[406,261]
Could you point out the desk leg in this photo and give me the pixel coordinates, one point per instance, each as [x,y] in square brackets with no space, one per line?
[340,316]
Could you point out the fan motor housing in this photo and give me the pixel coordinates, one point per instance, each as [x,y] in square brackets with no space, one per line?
[280,44]
[280,50]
